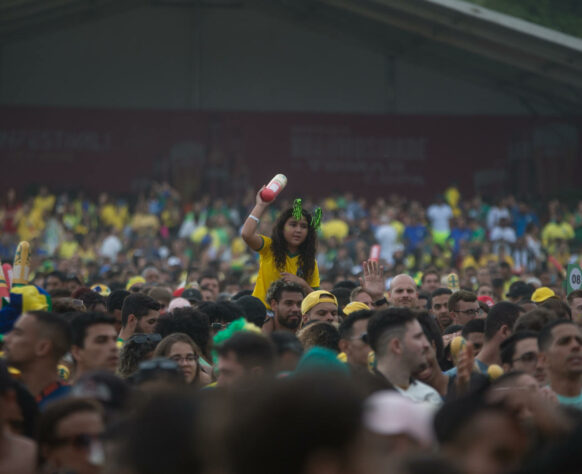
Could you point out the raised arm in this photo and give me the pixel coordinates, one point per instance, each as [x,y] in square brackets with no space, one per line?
[249,229]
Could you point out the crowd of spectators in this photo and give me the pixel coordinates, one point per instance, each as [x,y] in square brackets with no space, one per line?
[134,344]
[109,239]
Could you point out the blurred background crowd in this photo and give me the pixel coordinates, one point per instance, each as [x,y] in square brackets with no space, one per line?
[110,239]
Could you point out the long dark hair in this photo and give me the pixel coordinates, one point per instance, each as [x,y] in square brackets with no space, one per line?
[307,249]
[165,346]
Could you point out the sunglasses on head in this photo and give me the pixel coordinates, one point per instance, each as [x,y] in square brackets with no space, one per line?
[143,338]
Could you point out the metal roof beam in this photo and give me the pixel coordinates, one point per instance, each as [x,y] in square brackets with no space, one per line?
[485,47]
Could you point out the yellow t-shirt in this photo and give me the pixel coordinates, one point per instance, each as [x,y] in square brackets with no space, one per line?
[68,249]
[268,271]
[335,228]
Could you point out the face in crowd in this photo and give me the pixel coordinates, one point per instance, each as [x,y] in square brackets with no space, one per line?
[288,309]
[464,311]
[183,354]
[403,292]
[100,350]
[440,310]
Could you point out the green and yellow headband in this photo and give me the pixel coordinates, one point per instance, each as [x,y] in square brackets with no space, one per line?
[297,213]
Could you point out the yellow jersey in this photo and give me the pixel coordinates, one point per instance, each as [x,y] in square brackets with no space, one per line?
[268,271]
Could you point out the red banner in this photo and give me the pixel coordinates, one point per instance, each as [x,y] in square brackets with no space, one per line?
[222,153]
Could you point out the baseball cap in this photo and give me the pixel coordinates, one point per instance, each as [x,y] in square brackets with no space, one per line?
[192,295]
[542,294]
[178,303]
[134,281]
[487,300]
[355,306]
[316,297]
[519,289]
[102,289]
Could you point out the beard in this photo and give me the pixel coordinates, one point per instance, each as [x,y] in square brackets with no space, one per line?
[288,322]
[444,321]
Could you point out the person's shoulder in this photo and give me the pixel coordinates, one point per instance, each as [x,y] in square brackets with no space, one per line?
[425,393]
[419,386]
[266,245]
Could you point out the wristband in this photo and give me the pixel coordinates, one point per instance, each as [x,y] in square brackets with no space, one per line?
[380,302]
[256,219]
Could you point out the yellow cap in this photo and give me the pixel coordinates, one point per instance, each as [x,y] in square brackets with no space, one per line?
[355,306]
[542,294]
[133,281]
[316,297]
[102,289]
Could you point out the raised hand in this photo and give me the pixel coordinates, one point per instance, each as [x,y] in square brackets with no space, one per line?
[259,200]
[373,279]
[465,366]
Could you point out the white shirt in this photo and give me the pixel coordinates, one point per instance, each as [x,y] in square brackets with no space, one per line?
[439,216]
[496,214]
[111,247]
[422,393]
[506,234]
[387,237]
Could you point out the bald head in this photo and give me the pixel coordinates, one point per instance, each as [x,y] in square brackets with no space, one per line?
[403,291]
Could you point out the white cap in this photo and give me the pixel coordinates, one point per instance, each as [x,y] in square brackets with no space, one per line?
[178,303]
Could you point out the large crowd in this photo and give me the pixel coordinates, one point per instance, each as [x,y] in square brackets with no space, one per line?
[111,238]
[335,335]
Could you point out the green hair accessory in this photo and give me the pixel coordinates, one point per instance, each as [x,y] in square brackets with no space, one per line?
[240,324]
[297,209]
[316,219]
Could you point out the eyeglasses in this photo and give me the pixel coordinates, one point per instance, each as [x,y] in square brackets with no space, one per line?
[189,358]
[79,441]
[528,357]
[143,338]
[217,326]
[468,312]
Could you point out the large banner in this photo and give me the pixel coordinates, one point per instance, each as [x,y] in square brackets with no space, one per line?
[222,153]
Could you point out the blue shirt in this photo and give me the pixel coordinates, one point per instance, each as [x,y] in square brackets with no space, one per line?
[53,392]
[481,365]
[414,236]
[458,236]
